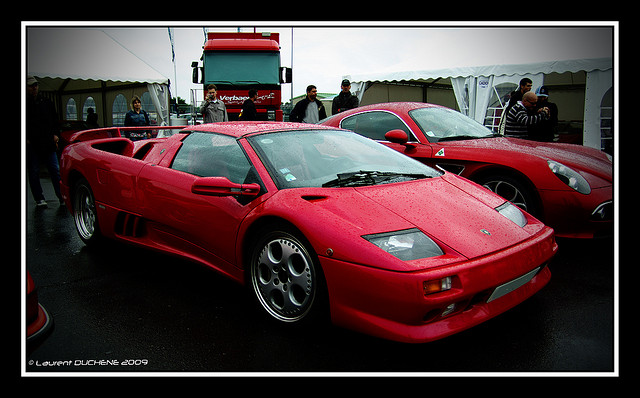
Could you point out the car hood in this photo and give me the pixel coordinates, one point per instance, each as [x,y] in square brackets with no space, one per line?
[451,210]
[577,157]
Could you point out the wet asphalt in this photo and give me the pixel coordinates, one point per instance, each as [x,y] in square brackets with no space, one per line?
[126,309]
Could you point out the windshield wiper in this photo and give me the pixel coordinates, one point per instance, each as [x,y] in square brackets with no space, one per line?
[459,137]
[363,178]
[467,137]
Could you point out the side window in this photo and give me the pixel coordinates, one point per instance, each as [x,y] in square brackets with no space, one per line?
[71,112]
[119,110]
[213,155]
[374,124]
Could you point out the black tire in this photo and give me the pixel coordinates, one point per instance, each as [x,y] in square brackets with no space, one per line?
[85,216]
[285,277]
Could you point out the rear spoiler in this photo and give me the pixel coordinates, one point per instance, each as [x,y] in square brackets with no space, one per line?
[114,132]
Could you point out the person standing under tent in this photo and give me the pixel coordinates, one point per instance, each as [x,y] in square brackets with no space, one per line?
[42,142]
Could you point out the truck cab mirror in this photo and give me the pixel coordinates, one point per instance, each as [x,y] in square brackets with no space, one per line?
[286,75]
[194,74]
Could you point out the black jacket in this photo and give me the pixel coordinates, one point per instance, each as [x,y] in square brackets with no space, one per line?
[249,111]
[297,114]
[42,124]
[344,101]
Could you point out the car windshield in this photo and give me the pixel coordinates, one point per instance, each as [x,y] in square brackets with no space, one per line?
[444,124]
[333,158]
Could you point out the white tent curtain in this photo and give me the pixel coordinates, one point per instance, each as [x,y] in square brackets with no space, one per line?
[598,83]
[473,93]
[469,85]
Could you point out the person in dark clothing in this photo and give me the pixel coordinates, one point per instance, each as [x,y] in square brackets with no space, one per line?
[249,111]
[42,142]
[345,100]
[92,119]
[545,131]
[514,98]
[523,115]
[525,86]
[137,117]
[309,109]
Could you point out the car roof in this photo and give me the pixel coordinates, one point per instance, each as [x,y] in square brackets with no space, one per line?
[240,129]
[397,107]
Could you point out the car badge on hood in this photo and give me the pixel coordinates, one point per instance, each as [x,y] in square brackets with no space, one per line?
[484,231]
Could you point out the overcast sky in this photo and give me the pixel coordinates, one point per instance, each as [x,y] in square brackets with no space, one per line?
[322,55]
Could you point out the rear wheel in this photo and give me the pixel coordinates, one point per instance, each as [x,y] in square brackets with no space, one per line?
[286,279]
[84,212]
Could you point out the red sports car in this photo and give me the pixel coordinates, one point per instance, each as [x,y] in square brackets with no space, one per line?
[39,322]
[568,187]
[315,221]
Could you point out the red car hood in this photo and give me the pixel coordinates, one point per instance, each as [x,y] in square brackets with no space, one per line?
[452,211]
[577,157]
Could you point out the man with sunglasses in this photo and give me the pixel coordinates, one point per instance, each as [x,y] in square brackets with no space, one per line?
[523,115]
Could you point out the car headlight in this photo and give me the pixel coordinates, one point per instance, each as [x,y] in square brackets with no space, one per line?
[513,213]
[410,244]
[570,177]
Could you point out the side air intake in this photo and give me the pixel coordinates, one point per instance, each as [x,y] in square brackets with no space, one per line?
[129,225]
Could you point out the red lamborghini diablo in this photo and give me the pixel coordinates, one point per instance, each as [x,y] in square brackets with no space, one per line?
[315,221]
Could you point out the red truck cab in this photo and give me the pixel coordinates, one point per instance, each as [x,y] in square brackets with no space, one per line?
[238,62]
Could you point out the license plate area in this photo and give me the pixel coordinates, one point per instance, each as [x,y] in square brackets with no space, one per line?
[512,285]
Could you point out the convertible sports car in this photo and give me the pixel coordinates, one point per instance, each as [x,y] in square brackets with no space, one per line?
[315,221]
[568,187]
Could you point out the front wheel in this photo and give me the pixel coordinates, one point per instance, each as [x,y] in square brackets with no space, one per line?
[285,276]
[512,190]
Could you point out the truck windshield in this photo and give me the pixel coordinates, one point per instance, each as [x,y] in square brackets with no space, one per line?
[242,68]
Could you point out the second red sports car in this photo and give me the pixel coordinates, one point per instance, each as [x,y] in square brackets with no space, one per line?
[314,220]
[569,187]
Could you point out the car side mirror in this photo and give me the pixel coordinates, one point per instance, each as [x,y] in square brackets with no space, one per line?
[397,136]
[221,186]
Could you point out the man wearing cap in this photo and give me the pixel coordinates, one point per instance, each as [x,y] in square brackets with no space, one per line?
[345,100]
[42,142]
[545,130]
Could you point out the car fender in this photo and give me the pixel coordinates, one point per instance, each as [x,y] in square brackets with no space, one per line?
[329,220]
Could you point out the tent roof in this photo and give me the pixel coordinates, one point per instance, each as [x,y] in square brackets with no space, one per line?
[489,70]
[84,54]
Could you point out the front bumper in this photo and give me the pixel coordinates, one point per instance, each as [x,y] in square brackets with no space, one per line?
[573,215]
[392,305]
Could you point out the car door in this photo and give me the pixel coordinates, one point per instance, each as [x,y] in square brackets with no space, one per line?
[202,225]
[375,124]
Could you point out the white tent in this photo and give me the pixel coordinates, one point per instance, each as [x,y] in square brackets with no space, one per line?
[473,86]
[76,63]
